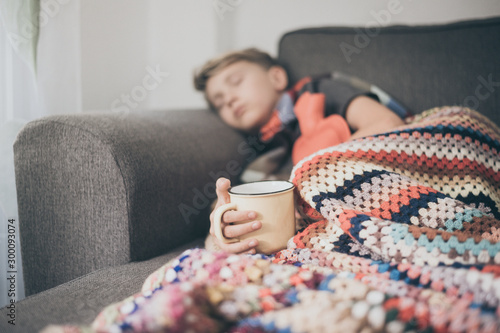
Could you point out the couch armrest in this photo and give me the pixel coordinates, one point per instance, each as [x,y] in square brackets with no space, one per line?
[103,189]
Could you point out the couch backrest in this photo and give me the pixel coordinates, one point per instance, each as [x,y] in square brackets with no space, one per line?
[421,66]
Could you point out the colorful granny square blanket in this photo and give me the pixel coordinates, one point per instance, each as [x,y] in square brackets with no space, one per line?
[402,234]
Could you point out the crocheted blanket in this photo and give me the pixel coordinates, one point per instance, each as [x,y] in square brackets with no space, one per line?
[402,234]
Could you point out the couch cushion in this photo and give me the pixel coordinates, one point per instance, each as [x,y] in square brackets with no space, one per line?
[423,67]
[79,301]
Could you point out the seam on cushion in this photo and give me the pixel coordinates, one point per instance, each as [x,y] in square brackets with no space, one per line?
[396,29]
[392,29]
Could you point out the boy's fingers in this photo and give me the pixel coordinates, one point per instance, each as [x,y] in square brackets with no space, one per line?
[237,230]
[251,251]
[247,246]
[238,216]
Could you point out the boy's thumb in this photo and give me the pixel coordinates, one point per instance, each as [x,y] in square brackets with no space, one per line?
[222,187]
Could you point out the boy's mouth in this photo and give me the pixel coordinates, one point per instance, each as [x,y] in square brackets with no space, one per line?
[238,112]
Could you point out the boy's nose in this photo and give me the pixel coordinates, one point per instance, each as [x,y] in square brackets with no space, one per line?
[231,99]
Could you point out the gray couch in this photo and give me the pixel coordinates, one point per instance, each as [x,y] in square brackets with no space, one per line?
[106,198]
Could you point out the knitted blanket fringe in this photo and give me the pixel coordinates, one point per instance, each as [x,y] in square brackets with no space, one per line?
[402,233]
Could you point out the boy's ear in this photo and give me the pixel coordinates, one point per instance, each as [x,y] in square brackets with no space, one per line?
[278,77]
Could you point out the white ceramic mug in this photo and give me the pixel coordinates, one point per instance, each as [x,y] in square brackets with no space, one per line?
[273,202]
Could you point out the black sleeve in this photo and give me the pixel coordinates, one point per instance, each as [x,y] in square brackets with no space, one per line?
[338,94]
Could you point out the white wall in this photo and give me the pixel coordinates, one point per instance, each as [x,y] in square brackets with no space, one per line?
[262,22]
[182,35]
[124,41]
[114,49]
[121,38]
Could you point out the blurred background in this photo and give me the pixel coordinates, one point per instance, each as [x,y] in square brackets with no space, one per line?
[70,56]
[119,39]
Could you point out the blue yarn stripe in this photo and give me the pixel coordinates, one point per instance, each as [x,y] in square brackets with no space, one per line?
[348,187]
[407,211]
[479,198]
[356,226]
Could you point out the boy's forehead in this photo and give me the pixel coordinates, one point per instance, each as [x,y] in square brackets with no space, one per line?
[218,79]
[237,66]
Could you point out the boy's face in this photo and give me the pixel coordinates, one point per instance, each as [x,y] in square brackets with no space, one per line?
[245,94]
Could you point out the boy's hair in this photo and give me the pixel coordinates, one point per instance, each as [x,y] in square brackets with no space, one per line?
[215,65]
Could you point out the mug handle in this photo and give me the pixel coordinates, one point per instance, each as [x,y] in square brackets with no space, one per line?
[218,223]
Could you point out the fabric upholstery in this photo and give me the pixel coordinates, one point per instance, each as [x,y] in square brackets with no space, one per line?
[98,190]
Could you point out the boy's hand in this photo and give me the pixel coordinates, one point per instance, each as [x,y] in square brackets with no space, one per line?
[233,231]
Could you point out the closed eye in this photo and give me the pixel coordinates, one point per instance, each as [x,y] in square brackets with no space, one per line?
[235,80]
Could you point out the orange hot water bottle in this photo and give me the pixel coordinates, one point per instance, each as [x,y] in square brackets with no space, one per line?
[317,132]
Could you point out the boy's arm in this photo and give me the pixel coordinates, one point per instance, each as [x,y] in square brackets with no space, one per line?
[366,116]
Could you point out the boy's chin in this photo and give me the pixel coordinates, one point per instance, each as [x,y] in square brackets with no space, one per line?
[249,129]
[255,129]
[253,126]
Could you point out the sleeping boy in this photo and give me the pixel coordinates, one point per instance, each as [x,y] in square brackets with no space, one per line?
[249,91]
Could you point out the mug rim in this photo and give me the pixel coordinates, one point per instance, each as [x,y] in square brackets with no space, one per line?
[291,187]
